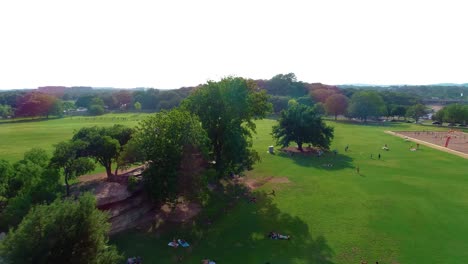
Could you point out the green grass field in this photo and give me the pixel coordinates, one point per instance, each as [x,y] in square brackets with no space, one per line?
[408,207]
[17,138]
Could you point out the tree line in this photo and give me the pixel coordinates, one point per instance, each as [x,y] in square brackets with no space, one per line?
[45,103]
[281,88]
[454,113]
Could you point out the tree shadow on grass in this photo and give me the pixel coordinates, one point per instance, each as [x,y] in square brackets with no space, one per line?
[237,234]
[328,161]
[368,123]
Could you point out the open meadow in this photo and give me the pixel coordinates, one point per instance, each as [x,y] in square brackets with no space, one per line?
[406,207]
[18,137]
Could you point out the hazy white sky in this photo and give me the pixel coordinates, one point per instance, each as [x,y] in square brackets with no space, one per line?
[169,44]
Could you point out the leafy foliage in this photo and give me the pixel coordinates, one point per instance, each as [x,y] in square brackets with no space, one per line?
[416,111]
[336,104]
[284,85]
[5,111]
[365,104]
[62,232]
[227,110]
[67,158]
[162,139]
[96,110]
[35,104]
[301,124]
[103,144]
[454,113]
[6,171]
[137,106]
[30,182]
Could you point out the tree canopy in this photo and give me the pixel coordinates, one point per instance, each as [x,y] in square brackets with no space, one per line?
[365,104]
[36,104]
[453,113]
[104,144]
[302,125]
[67,158]
[416,111]
[336,105]
[30,182]
[227,110]
[62,232]
[162,139]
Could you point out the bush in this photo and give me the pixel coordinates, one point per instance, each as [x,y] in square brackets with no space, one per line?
[62,232]
[133,183]
[96,110]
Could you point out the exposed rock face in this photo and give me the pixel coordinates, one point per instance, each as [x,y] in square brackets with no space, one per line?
[128,209]
[110,192]
[129,216]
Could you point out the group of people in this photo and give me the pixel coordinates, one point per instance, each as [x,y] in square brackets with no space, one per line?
[274,235]
[134,260]
[208,261]
[179,242]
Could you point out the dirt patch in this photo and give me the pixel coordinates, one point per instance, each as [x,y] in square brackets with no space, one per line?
[457,145]
[182,212]
[305,151]
[103,176]
[280,180]
[253,184]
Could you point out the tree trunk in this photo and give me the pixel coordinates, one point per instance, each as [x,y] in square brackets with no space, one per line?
[67,185]
[109,171]
[299,146]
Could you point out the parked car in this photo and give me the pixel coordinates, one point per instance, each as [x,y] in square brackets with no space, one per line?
[436,123]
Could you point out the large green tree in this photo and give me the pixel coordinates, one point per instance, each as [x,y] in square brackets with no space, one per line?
[104,144]
[336,105]
[32,181]
[365,104]
[162,139]
[455,113]
[62,232]
[5,111]
[6,171]
[416,111]
[302,125]
[227,110]
[67,158]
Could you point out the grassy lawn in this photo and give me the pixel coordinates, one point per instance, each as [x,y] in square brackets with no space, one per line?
[408,207]
[17,138]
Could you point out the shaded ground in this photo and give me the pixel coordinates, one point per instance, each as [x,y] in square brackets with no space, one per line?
[103,175]
[253,184]
[305,150]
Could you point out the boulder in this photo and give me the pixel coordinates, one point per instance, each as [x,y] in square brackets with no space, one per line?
[110,192]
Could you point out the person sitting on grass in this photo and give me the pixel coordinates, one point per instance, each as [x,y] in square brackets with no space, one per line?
[173,243]
[274,235]
[207,261]
[183,243]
